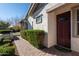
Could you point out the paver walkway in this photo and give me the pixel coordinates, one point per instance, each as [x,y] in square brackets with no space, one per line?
[26,49]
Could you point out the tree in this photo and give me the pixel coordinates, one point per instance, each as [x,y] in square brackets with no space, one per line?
[14,21]
[4,24]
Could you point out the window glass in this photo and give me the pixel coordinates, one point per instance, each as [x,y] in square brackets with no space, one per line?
[39,19]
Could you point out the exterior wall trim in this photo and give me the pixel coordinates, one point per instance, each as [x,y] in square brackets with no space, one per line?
[31,7]
[56,6]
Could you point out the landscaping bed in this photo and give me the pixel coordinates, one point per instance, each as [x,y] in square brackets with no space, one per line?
[7,47]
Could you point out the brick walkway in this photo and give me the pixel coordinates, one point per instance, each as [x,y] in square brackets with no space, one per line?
[26,49]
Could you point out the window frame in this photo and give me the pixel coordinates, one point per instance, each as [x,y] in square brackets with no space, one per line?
[40,19]
[75,22]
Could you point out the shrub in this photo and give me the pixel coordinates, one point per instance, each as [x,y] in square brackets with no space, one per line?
[4,31]
[7,47]
[23,34]
[7,44]
[7,38]
[35,37]
[10,50]
[15,28]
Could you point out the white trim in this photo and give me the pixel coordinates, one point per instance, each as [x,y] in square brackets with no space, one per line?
[74,19]
[31,8]
[55,6]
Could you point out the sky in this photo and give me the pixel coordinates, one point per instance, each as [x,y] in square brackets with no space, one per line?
[13,10]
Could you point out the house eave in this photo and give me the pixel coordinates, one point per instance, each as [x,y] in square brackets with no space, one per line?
[33,5]
[55,6]
[30,9]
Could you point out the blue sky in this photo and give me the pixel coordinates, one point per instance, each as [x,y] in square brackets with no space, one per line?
[13,10]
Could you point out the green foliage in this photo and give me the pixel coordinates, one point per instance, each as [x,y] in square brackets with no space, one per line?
[23,34]
[7,50]
[7,47]
[35,37]
[4,25]
[7,39]
[4,31]
[6,44]
[16,28]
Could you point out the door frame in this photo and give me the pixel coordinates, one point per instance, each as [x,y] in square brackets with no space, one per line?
[70,27]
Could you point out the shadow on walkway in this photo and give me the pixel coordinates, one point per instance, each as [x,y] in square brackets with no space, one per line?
[25,48]
[55,51]
[15,38]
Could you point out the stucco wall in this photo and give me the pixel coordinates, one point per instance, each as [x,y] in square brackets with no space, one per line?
[43,11]
[52,26]
[51,29]
[49,24]
[44,24]
[30,20]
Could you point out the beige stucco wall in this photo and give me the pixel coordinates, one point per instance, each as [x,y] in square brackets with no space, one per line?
[52,26]
[44,24]
[49,24]
[51,29]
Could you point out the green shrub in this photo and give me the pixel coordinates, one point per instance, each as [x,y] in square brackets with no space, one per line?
[4,31]
[7,47]
[15,28]
[10,50]
[23,34]
[35,37]
[7,39]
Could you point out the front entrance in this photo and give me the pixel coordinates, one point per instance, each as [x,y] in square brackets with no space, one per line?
[64,30]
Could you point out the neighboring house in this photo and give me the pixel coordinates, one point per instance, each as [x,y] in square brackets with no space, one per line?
[23,24]
[60,21]
[18,24]
[10,26]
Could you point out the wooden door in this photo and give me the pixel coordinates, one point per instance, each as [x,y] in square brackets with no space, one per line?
[64,29]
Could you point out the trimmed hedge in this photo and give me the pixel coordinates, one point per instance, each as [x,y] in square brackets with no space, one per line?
[35,37]
[4,31]
[7,48]
[10,50]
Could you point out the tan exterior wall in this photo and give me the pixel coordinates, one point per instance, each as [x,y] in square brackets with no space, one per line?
[44,24]
[52,37]
[49,24]
[51,29]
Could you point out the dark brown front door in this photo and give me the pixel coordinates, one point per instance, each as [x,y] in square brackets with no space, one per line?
[64,30]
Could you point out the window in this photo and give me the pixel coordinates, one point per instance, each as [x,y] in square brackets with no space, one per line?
[39,19]
[75,24]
